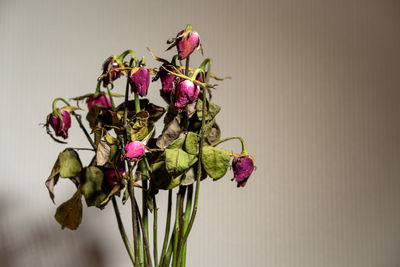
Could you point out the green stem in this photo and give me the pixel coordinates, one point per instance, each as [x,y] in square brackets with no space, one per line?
[111,97]
[121,57]
[167,227]
[145,239]
[143,170]
[78,119]
[169,252]
[134,223]
[137,103]
[201,143]
[155,250]
[182,191]
[186,218]
[244,150]
[187,66]
[122,231]
[97,88]
[54,105]
[176,229]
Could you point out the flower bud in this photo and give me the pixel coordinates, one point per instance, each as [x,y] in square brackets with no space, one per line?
[60,123]
[185,93]
[140,81]
[108,65]
[242,167]
[186,42]
[111,176]
[101,100]
[134,150]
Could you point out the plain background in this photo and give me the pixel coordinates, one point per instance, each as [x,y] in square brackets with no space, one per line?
[315,92]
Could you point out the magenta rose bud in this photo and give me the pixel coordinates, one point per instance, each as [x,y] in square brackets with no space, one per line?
[61,125]
[101,100]
[111,176]
[108,65]
[187,41]
[140,81]
[186,92]
[242,167]
[134,150]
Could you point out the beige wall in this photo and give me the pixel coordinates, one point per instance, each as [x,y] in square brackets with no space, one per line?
[315,92]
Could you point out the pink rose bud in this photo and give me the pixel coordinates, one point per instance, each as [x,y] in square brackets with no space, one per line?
[187,41]
[111,176]
[134,150]
[61,125]
[140,81]
[242,167]
[186,92]
[101,100]
[108,65]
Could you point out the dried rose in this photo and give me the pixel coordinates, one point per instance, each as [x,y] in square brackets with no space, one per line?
[134,150]
[60,123]
[109,65]
[242,167]
[186,42]
[185,93]
[111,176]
[101,100]
[140,81]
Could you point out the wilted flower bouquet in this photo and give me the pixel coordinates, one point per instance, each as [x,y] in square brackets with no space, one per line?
[129,158]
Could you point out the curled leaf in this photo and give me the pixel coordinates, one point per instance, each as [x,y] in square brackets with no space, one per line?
[69,214]
[103,153]
[170,133]
[67,165]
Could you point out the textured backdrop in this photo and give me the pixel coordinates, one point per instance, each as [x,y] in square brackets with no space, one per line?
[315,92]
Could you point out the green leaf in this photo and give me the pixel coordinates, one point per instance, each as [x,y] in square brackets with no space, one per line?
[215,161]
[69,214]
[70,164]
[208,127]
[92,188]
[192,140]
[137,130]
[178,161]
[161,179]
[177,143]
[212,110]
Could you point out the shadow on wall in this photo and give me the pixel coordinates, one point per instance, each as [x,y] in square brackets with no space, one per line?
[31,242]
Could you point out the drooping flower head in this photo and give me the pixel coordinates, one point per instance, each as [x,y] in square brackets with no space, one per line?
[111,176]
[243,166]
[186,92]
[134,150]
[186,42]
[108,67]
[101,100]
[60,122]
[140,80]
